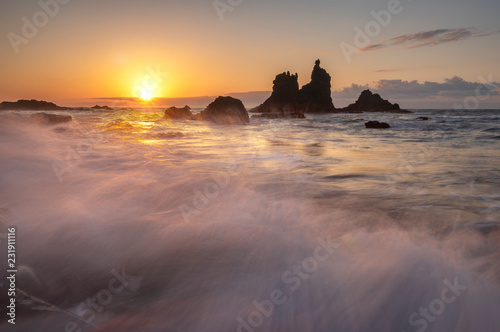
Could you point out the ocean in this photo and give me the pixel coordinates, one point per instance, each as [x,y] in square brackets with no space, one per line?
[128,222]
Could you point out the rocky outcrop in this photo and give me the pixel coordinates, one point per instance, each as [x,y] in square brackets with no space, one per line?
[51,119]
[285,96]
[377,125]
[31,105]
[314,97]
[226,110]
[370,102]
[102,108]
[175,113]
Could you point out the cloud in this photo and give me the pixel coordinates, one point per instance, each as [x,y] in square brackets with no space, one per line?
[429,38]
[454,87]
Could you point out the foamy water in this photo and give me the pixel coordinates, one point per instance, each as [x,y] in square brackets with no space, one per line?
[129,222]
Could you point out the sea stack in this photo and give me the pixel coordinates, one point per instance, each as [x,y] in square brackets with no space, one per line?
[314,97]
[372,102]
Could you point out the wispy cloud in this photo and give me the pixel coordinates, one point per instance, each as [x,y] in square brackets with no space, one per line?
[429,38]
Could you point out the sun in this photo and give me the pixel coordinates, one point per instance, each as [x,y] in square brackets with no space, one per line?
[146,94]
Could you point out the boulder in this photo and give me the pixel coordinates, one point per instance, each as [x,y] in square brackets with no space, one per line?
[370,102]
[50,119]
[175,113]
[377,125]
[226,110]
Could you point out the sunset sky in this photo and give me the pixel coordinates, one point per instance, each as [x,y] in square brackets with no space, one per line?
[430,53]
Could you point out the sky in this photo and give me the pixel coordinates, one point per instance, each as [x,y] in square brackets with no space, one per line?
[420,53]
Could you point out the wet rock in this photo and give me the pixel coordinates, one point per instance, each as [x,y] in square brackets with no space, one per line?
[279,116]
[102,108]
[175,113]
[226,110]
[50,119]
[377,125]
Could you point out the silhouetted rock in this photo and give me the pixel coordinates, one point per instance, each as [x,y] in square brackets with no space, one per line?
[50,119]
[279,116]
[314,97]
[422,118]
[369,102]
[226,110]
[31,105]
[285,95]
[102,108]
[377,125]
[175,113]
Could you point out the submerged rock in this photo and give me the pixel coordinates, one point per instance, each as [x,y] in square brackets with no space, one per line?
[50,119]
[103,108]
[279,116]
[377,125]
[370,102]
[176,113]
[422,118]
[226,110]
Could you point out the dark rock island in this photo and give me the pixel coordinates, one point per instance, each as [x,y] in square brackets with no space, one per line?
[286,98]
[31,105]
[315,97]
[370,102]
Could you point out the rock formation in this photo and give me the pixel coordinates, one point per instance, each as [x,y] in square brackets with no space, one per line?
[175,113]
[102,108]
[31,105]
[226,110]
[377,125]
[314,97]
[369,102]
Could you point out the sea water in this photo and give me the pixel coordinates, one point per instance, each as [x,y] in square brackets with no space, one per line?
[129,222]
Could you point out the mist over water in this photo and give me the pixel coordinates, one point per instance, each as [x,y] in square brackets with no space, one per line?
[303,225]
